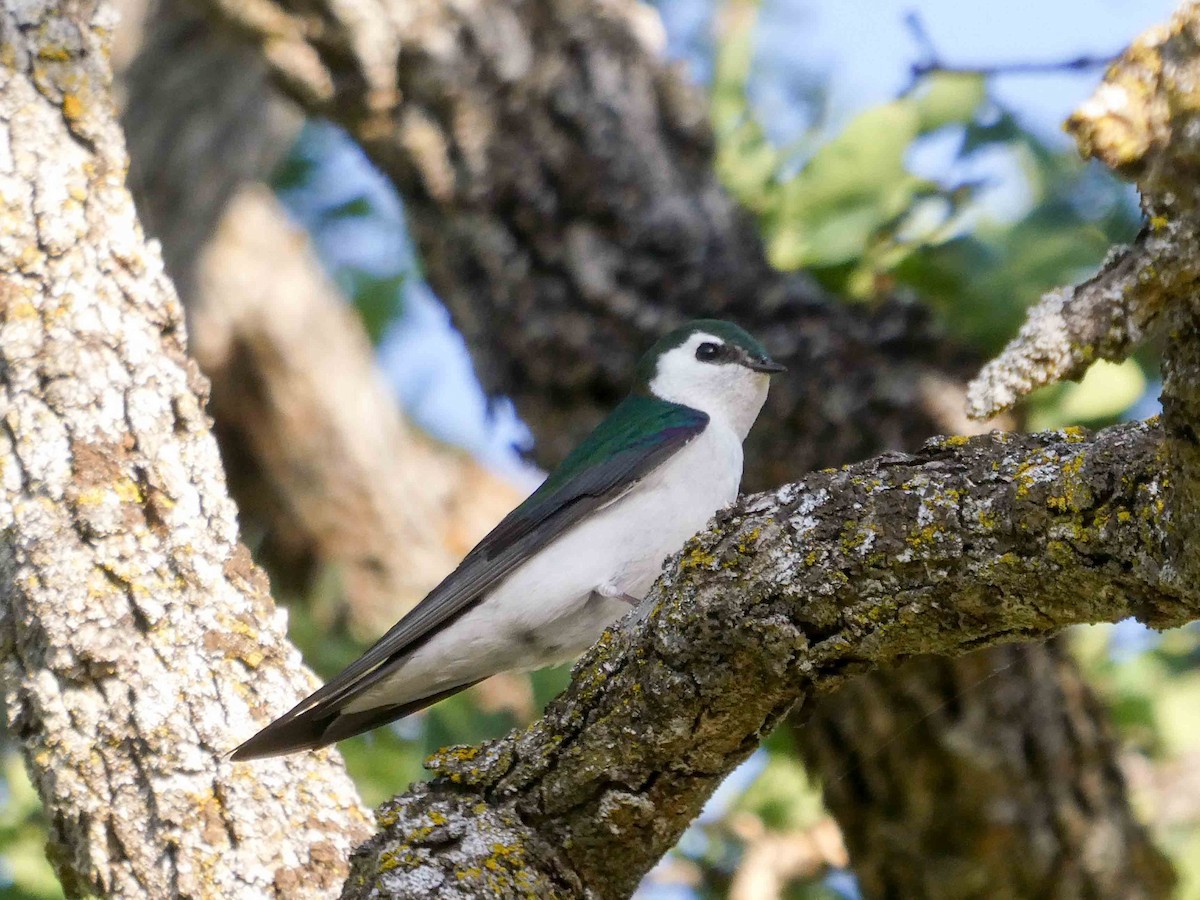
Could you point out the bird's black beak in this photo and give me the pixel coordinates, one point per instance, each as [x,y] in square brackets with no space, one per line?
[764,364]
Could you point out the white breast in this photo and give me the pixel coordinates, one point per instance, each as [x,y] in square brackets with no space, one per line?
[548,609]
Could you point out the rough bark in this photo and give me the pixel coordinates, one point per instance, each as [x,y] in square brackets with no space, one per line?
[790,594]
[559,181]
[325,471]
[139,642]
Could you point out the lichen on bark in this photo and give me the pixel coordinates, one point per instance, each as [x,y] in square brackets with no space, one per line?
[139,640]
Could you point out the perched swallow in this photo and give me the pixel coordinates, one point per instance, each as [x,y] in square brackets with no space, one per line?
[571,559]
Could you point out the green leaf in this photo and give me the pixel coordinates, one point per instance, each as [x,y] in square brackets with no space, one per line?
[23,837]
[1106,391]
[783,796]
[358,208]
[378,299]
[949,99]
[848,191]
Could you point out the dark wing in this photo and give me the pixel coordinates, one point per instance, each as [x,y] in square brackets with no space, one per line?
[639,435]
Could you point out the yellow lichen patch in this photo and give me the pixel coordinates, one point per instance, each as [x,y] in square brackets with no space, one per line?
[512,854]
[1059,550]
[953,442]
[29,259]
[986,518]
[1075,494]
[124,489]
[72,107]
[18,309]
[746,544]
[929,534]
[457,753]
[419,833]
[697,558]
[854,537]
[1074,434]
[53,53]
[400,856]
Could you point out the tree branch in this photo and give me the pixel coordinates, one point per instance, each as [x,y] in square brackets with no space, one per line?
[1104,317]
[1133,125]
[932,61]
[968,543]
[139,641]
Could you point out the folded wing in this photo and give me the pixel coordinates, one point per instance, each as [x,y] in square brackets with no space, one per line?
[639,436]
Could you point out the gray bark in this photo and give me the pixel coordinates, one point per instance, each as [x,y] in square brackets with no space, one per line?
[139,642]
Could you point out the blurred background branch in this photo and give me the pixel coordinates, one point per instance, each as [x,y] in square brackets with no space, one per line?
[933,63]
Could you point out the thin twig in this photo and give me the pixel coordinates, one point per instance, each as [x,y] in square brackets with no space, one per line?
[931,61]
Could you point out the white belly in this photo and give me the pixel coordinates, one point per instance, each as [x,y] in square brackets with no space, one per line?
[551,608]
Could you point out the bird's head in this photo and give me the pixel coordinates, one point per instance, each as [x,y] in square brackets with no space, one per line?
[713,366]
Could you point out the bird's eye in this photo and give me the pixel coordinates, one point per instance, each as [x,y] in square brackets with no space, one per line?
[708,351]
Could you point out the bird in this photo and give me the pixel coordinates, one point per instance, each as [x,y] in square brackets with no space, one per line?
[583,549]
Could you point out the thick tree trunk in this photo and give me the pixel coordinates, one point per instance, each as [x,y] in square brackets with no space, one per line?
[559,181]
[139,641]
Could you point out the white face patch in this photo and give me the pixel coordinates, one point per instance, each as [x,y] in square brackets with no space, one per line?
[730,393]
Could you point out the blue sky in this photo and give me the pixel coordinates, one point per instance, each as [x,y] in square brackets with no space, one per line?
[864,49]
